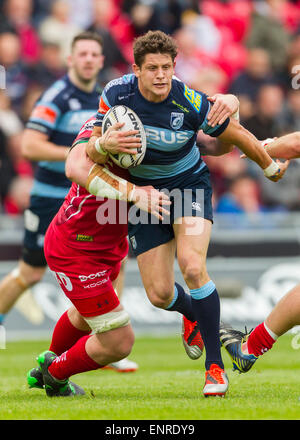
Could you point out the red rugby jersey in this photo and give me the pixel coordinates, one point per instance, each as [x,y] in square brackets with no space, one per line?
[91,223]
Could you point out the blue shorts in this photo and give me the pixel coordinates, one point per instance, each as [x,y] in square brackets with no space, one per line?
[193,198]
[37,218]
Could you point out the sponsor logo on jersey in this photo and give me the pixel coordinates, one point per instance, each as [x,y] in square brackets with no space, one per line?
[74,104]
[98,283]
[92,276]
[176,120]
[184,109]
[193,97]
[82,237]
[120,98]
[166,136]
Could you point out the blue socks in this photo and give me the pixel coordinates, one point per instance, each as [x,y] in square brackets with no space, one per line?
[206,307]
[182,303]
[203,306]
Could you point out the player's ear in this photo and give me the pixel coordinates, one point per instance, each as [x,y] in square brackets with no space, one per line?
[69,61]
[136,70]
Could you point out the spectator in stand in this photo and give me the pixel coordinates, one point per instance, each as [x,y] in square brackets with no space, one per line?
[268,107]
[16,72]
[224,169]
[290,117]
[191,63]
[249,81]
[268,31]
[81,12]
[243,198]
[17,18]
[18,195]
[144,17]
[49,68]
[16,172]
[7,172]
[150,15]
[58,29]
[10,121]
[115,63]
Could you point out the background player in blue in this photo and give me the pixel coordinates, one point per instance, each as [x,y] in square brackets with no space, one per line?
[53,125]
[172,114]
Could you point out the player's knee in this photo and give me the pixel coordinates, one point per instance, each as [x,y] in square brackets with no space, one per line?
[193,269]
[28,277]
[123,348]
[34,276]
[160,295]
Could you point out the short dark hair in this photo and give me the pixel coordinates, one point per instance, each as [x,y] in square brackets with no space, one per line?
[153,42]
[87,35]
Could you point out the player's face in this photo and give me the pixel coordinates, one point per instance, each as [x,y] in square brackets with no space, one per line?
[86,60]
[155,76]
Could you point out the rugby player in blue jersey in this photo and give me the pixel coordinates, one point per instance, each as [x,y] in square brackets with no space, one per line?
[172,114]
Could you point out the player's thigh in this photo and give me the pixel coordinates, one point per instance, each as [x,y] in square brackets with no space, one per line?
[116,334]
[113,333]
[192,236]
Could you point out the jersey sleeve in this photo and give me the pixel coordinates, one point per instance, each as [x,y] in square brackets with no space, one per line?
[44,117]
[201,106]
[47,109]
[208,129]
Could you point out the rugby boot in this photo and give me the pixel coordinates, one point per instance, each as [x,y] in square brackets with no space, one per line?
[55,387]
[192,339]
[216,381]
[233,340]
[35,378]
[122,366]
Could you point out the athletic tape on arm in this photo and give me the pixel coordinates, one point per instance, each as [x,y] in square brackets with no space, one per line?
[103,183]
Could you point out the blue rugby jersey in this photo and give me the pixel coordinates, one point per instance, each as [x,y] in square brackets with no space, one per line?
[171,128]
[60,112]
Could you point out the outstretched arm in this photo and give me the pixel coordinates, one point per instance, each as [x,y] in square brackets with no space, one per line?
[236,134]
[285,147]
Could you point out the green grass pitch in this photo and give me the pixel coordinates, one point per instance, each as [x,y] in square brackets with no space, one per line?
[168,386]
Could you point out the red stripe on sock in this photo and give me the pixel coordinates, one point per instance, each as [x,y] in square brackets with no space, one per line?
[73,361]
[65,335]
[259,341]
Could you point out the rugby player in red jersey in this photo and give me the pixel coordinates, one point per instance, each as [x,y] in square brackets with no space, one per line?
[85,247]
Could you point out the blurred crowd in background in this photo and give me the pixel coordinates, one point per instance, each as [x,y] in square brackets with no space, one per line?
[248,48]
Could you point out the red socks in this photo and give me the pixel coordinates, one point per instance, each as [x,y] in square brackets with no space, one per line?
[260,340]
[73,361]
[65,335]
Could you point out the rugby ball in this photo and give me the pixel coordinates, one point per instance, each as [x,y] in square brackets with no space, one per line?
[121,113]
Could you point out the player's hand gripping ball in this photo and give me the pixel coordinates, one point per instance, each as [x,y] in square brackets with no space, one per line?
[121,113]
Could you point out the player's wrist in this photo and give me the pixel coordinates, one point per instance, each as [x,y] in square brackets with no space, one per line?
[99,146]
[272,170]
[236,115]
